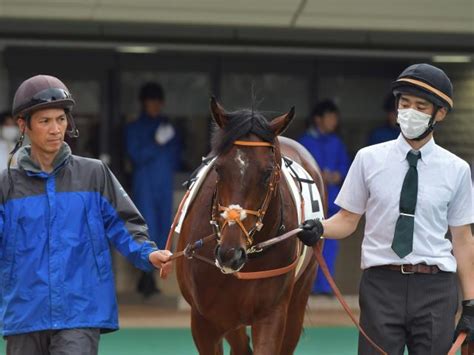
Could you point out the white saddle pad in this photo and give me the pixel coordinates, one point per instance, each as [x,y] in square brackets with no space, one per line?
[194,189]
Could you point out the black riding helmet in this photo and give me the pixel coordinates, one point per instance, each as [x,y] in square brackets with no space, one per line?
[43,91]
[426,81]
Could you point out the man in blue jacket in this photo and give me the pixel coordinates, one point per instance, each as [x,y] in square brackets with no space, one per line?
[59,214]
[153,146]
[329,151]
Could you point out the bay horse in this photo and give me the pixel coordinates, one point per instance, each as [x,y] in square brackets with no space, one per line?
[246,172]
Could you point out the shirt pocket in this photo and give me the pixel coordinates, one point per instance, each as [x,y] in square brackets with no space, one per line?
[433,201]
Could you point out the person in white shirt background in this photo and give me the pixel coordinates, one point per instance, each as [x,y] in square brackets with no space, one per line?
[8,136]
[412,192]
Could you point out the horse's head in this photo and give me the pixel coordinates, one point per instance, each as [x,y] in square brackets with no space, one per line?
[248,172]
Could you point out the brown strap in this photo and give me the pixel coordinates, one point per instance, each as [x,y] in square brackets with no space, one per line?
[337,293]
[253,144]
[429,88]
[252,212]
[457,344]
[169,241]
[204,259]
[242,227]
[190,248]
[247,235]
[269,273]
[278,239]
[411,269]
[247,275]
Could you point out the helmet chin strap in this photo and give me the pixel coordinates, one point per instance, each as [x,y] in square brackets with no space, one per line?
[431,126]
[73,132]
[19,142]
[18,145]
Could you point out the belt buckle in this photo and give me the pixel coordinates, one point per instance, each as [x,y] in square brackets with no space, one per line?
[402,270]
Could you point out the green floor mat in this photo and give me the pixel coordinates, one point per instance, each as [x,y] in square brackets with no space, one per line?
[178,341]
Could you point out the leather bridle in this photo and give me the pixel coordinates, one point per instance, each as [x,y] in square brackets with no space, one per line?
[234,214]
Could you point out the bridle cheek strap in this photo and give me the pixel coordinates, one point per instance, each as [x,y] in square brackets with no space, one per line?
[236,214]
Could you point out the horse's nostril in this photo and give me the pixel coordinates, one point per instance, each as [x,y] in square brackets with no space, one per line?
[232,257]
[229,253]
[240,258]
[240,254]
[224,255]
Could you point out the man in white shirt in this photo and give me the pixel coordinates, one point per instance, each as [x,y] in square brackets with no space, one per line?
[412,192]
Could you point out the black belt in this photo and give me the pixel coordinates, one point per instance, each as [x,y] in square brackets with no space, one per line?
[412,269]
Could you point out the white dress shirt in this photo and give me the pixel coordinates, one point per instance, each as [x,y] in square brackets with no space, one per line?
[373,187]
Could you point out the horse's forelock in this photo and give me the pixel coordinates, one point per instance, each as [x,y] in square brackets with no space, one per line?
[240,124]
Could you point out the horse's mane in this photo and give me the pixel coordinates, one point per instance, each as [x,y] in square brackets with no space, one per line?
[240,123]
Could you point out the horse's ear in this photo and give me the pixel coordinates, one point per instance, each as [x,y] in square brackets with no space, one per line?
[218,113]
[279,124]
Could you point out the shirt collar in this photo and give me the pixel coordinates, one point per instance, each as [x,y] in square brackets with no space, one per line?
[403,148]
[26,163]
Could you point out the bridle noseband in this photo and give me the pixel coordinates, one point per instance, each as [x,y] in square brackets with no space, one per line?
[234,214]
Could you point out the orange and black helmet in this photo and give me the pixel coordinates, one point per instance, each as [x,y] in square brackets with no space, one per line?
[426,81]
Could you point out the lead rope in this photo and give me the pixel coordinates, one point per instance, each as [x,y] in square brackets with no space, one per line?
[337,292]
[458,343]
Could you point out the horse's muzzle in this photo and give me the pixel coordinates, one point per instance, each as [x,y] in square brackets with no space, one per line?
[230,260]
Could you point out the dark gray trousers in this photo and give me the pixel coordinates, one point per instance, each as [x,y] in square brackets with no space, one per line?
[81,341]
[416,311]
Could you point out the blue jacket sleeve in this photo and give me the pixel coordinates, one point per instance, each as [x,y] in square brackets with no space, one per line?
[124,225]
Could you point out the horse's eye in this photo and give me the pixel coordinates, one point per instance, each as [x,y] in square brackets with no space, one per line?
[266,176]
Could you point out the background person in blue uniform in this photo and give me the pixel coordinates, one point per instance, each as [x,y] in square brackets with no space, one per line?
[330,152]
[390,130]
[153,146]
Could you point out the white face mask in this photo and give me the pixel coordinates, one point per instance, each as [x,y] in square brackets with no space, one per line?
[10,133]
[413,123]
